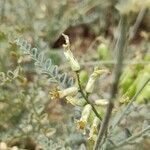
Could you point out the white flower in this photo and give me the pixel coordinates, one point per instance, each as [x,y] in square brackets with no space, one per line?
[85,115]
[57,94]
[69,55]
[68,91]
[91,83]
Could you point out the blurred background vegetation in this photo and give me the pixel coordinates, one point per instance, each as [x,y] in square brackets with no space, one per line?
[24,92]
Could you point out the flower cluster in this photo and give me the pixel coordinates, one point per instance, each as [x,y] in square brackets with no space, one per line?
[77,96]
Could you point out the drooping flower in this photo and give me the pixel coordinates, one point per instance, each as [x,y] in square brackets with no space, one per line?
[91,82]
[69,55]
[57,94]
[84,117]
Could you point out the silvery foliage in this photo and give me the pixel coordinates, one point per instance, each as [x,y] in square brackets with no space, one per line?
[125,130]
[51,145]
[34,123]
[46,66]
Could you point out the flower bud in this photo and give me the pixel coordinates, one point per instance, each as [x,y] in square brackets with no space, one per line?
[69,55]
[84,117]
[91,82]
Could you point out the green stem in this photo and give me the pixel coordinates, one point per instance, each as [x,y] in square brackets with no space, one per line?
[85,96]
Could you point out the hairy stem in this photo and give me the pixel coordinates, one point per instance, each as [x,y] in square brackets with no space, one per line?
[120,46]
[85,96]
